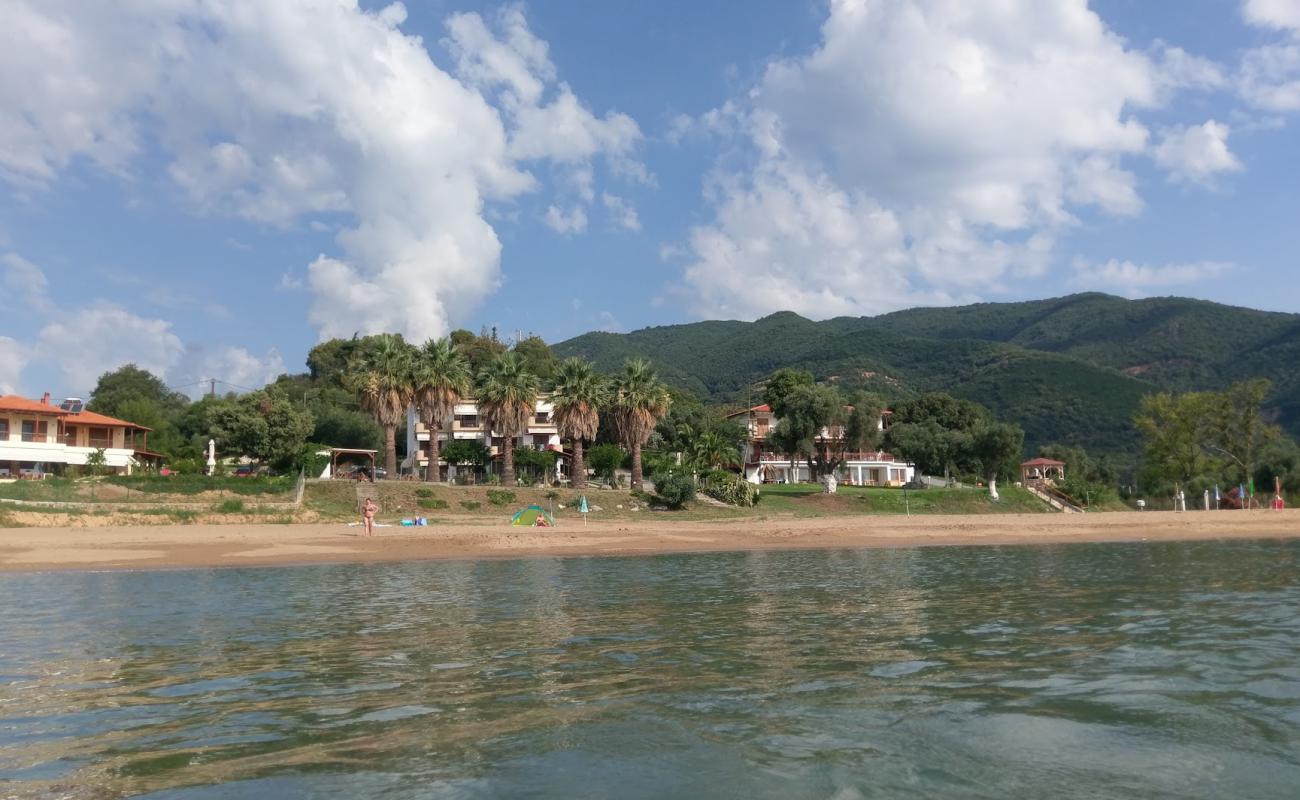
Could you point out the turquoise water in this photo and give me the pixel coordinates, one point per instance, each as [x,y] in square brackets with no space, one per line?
[1107,671]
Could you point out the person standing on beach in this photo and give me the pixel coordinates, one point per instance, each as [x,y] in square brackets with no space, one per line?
[368,510]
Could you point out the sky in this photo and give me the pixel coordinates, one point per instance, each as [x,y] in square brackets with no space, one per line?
[207,188]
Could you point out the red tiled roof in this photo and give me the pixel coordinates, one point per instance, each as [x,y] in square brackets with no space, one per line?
[763,409]
[1043,462]
[12,402]
[91,418]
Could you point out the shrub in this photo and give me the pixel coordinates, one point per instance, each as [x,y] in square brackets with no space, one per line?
[676,489]
[433,502]
[231,506]
[500,497]
[730,488]
[471,505]
[604,459]
[424,491]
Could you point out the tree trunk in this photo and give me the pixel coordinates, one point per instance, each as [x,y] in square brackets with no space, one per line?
[508,461]
[433,474]
[578,466]
[390,450]
[636,466]
[993,486]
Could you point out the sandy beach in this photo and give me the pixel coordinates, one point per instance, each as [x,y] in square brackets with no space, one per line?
[170,546]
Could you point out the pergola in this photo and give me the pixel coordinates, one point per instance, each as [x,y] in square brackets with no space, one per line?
[335,452]
[1042,469]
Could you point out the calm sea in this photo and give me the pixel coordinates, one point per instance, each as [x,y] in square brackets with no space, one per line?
[1099,671]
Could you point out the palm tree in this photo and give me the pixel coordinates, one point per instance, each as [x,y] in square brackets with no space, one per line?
[442,377]
[507,398]
[579,394]
[710,450]
[381,377]
[639,401]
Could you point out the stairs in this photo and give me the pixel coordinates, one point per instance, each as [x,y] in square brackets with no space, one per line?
[1054,499]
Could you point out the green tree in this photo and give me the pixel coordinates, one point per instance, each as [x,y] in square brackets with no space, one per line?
[507,399]
[579,395]
[997,448]
[1236,426]
[264,425]
[936,432]
[606,459]
[781,385]
[381,377]
[538,358]
[120,390]
[441,377]
[480,349]
[639,400]
[96,460]
[1175,430]
[470,452]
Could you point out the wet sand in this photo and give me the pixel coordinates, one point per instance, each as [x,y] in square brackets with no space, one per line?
[169,546]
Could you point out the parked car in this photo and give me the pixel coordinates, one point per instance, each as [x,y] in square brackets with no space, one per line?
[916,483]
[247,470]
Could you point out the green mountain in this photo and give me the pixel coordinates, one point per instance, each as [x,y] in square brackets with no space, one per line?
[1069,369]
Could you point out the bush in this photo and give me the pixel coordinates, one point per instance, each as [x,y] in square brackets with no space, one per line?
[730,488]
[471,505]
[675,489]
[231,506]
[500,497]
[424,492]
[604,459]
[433,502]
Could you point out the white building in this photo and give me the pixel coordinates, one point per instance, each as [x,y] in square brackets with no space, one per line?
[466,423]
[37,438]
[764,464]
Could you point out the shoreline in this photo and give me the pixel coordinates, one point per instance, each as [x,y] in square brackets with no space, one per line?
[248,545]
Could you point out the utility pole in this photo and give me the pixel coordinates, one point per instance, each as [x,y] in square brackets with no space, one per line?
[212,391]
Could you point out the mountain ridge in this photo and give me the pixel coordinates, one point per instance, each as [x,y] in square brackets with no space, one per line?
[1069,369]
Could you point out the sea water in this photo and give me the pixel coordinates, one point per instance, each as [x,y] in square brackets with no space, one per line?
[1095,670]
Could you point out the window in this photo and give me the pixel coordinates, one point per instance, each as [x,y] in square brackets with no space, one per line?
[101,437]
[4,429]
[70,436]
[35,430]
[467,420]
[542,417]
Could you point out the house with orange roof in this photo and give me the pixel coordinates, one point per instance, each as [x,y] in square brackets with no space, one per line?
[765,463]
[38,438]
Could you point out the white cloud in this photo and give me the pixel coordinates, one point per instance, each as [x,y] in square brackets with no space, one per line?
[925,151]
[25,282]
[1270,74]
[1196,153]
[13,360]
[1282,14]
[1137,280]
[92,341]
[566,222]
[278,112]
[622,212]
[233,366]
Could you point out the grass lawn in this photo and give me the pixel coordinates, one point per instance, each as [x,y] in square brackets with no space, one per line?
[150,489]
[337,500]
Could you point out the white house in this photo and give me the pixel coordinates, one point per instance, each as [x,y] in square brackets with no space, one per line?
[467,423]
[37,438]
[765,464]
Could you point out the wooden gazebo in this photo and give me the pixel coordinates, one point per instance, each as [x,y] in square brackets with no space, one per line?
[1042,470]
[335,452]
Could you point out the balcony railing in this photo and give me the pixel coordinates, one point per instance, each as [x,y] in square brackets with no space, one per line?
[865,455]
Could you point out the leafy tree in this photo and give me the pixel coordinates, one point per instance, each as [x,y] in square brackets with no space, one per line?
[675,489]
[606,459]
[792,437]
[936,432]
[469,452]
[1236,427]
[125,387]
[507,398]
[96,460]
[441,377]
[1279,458]
[540,464]
[997,448]
[480,349]
[1175,430]
[263,425]
[380,375]
[579,395]
[538,358]
[327,362]
[639,400]
[781,385]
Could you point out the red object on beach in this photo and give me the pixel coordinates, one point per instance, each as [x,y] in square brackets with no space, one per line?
[1278,504]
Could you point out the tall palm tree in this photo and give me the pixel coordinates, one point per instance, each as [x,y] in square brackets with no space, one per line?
[441,377]
[381,377]
[507,398]
[579,394]
[639,401]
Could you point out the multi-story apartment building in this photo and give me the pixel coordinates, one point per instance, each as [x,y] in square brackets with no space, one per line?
[37,438]
[467,423]
[765,464]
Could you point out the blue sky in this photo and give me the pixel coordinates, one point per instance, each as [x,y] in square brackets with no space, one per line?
[207,189]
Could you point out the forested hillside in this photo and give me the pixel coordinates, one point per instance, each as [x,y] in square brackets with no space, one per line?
[1068,369]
